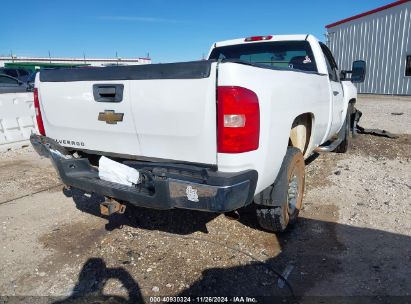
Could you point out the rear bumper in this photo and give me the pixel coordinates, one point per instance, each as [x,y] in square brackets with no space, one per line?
[166,186]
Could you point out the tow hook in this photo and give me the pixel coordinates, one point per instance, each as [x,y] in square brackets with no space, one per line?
[111,206]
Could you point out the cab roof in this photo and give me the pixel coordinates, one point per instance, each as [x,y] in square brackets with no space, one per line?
[273,38]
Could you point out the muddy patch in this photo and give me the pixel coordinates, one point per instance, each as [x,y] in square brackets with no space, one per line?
[72,240]
[382,147]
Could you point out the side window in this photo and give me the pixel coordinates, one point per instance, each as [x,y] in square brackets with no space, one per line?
[331,65]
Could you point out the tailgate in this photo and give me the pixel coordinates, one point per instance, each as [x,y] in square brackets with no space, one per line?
[165,111]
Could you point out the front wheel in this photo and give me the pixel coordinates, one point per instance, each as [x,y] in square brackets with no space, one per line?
[286,194]
[345,132]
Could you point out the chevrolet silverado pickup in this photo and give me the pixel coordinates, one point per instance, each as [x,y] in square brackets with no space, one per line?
[213,135]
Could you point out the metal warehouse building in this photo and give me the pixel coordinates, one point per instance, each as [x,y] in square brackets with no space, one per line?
[381,37]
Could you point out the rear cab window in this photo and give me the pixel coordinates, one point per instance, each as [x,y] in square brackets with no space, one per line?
[296,55]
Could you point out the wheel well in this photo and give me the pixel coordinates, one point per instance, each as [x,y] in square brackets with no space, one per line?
[301,130]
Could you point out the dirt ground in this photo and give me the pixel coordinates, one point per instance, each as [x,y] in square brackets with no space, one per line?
[353,237]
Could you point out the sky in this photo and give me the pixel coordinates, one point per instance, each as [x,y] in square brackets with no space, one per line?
[167,30]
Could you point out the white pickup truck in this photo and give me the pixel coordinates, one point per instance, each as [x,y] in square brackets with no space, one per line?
[213,135]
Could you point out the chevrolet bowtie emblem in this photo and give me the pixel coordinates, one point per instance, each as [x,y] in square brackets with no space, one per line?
[110,117]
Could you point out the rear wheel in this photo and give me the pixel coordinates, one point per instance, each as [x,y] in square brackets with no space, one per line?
[285,195]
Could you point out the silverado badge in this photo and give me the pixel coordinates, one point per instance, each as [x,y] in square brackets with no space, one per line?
[110,117]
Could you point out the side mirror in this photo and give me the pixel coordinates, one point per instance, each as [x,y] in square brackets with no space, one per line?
[358,71]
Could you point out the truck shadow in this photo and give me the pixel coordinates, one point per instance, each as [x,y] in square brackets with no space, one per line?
[326,259]
[172,221]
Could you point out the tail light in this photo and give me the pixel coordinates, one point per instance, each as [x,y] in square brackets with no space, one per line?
[238,120]
[39,119]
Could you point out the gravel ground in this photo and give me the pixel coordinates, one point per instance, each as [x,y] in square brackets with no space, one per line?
[353,236]
[386,112]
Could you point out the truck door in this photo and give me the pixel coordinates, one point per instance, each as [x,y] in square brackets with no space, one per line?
[337,95]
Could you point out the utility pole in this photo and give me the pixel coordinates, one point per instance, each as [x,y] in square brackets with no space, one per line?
[49,56]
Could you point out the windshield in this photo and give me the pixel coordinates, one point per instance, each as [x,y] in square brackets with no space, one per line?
[283,54]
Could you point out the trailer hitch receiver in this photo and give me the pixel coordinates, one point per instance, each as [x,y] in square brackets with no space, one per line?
[111,206]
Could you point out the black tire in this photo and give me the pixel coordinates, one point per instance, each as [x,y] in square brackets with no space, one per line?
[285,196]
[346,130]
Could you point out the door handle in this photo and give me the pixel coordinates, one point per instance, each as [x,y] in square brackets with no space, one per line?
[336,93]
[108,92]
